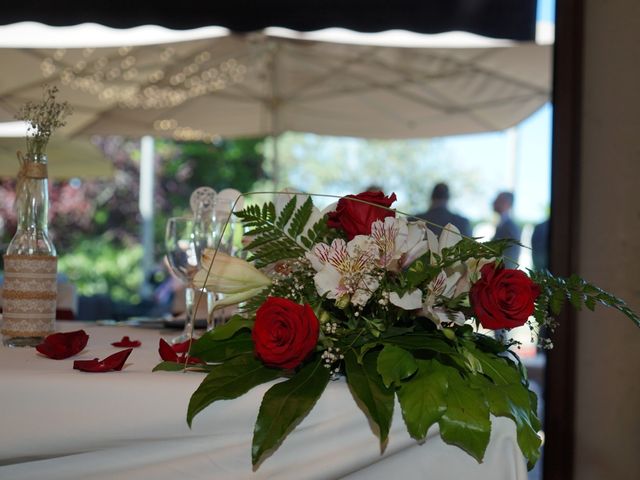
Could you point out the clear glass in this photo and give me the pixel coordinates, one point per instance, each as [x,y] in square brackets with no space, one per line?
[183,252]
[32,208]
[32,239]
[221,237]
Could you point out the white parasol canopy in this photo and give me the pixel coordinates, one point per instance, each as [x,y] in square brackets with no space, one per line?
[216,83]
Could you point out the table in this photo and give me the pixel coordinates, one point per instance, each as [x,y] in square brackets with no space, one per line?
[60,423]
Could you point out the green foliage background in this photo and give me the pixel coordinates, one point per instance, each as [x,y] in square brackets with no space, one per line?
[95,224]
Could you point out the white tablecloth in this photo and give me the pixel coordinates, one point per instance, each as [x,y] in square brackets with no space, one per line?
[60,423]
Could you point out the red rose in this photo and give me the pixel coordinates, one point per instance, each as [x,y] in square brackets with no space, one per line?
[503,298]
[355,218]
[284,333]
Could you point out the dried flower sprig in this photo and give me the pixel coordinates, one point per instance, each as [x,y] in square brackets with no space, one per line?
[42,119]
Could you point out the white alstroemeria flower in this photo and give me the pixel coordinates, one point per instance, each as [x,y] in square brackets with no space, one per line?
[449,236]
[470,270]
[236,278]
[390,237]
[442,286]
[344,270]
[399,242]
[409,301]
[416,244]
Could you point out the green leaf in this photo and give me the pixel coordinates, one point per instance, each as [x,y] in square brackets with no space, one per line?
[209,350]
[395,364]
[421,341]
[557,301]
[515,402]
[178,367]
[285,405]
[466,421]
[497,368]
[507,396]
[364,349]
[372,396]
[229,329]
[423,397]
[421,271]
[230,380]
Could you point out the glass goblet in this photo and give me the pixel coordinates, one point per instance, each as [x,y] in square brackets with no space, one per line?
[221,239]
[183,256]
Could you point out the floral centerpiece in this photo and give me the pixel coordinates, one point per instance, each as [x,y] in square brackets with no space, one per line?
[363,292]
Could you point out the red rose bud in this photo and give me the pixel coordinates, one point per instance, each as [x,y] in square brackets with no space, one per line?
[355,218]
[63,345]
[503,298]
[112,362]
[284,333]
[126,342]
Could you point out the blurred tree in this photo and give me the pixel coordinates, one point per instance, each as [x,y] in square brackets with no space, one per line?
[340,166]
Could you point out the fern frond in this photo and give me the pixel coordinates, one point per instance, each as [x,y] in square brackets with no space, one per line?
[272,240]
[287,212]
[300,218]
[555,292]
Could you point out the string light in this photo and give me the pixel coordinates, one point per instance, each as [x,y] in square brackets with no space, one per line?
[184,133]
[138,82]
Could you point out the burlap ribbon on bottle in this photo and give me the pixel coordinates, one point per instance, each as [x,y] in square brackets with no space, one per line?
[29,169]
[29,296]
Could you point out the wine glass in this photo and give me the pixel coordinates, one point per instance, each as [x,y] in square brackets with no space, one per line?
[221,238]
[184,246]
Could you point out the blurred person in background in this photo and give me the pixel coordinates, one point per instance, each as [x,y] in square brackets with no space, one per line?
[439,214]
[507,228]
[540,245]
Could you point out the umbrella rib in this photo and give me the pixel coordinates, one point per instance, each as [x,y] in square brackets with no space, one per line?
[344,65]
[474,67]
[413,78]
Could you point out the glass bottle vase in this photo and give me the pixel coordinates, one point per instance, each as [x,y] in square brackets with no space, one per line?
[30,262]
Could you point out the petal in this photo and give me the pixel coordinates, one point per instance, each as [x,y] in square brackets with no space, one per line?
[450,236]
[414,253]
[126,342]
[318,256]
[368,285]
[408,301]
[432,241]
[167,353]
[450,285]
[63,345]
[112,362]
[189,360]
[327,280]
[224,273]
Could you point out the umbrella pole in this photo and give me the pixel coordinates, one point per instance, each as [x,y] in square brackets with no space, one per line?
[275,174]
[145,204]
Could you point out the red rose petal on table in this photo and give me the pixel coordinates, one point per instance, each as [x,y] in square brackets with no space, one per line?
[169,353]
[166,351]
[63,345]
[126,342]
[182,347]
[112,362]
